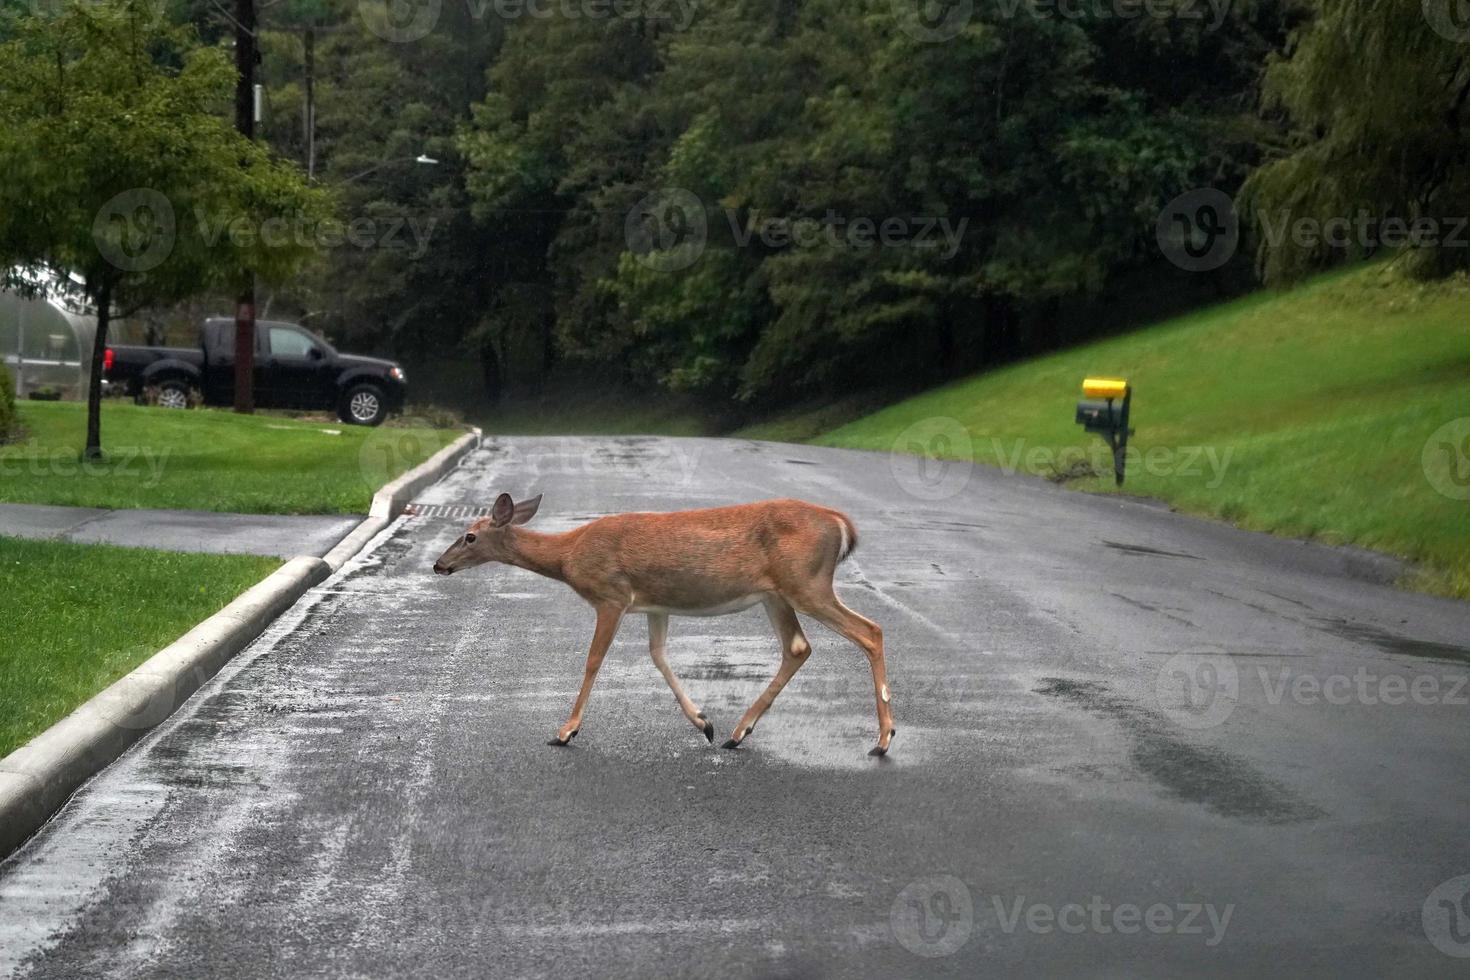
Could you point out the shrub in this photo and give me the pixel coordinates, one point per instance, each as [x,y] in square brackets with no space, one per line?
[429,416]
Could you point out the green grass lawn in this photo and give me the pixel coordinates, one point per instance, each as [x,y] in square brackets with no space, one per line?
[1310,413]
[78,617]
[206,459]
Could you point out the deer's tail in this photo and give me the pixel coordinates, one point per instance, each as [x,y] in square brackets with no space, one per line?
[849,540]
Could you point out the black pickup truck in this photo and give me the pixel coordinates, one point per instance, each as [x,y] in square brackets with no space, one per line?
[293,369]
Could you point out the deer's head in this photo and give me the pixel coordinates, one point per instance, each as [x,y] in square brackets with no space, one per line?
[489,538]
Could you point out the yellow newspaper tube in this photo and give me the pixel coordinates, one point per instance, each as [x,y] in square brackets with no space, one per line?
[1104,388]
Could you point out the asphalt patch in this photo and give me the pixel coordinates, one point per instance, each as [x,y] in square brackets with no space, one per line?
[1138,549]
[1393,643]
[1209,777]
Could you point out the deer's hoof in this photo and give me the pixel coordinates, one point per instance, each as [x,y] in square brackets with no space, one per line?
[558,742]
[730,743]
[709,731]
[878,751]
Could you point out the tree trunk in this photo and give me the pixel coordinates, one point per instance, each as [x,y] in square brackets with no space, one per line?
[548,350]
[94,382]
[245,347]
[490,368]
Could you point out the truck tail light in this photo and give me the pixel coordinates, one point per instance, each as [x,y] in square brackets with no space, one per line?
[107,358]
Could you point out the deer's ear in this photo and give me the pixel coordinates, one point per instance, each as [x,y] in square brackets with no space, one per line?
[503,510]
[526,509]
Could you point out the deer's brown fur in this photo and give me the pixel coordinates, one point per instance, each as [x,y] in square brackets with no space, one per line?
[780,553]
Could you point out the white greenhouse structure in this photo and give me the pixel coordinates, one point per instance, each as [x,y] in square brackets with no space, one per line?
[46,339]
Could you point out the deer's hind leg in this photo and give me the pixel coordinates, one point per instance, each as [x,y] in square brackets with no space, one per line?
[658,634]
[824,606]
[795,650]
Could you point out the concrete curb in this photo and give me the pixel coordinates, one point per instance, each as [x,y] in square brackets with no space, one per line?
[390,501]
[40,776]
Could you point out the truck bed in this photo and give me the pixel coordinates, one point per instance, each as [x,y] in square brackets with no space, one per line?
[128,363]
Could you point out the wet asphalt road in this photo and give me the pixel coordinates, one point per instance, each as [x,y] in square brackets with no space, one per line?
[1129,743]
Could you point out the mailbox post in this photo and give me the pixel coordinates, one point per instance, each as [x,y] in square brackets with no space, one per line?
[1105,411]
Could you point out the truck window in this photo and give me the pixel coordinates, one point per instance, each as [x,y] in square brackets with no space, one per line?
[289,343]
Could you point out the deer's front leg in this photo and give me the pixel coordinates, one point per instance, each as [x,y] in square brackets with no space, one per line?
[608,618]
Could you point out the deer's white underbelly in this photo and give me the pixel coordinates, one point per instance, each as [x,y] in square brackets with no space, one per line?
[722,609]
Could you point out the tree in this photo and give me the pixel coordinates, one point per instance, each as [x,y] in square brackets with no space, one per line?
[543,200]
[1378,93]
[123,168]
[1025,160]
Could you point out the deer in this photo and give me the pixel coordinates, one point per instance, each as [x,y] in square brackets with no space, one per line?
[781,554]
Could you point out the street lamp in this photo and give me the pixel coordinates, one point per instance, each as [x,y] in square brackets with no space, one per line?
[422,159]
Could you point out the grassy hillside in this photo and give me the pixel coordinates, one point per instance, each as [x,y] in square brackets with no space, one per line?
[1316,412]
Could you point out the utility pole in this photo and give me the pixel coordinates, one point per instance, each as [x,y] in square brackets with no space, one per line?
[245,61]
[309,110]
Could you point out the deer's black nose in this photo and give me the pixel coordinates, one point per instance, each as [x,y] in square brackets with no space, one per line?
[440,569]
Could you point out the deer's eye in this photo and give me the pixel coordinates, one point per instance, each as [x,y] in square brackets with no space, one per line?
[469,539]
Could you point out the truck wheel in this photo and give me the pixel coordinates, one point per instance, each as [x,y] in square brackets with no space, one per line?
[173,393]
[363,404]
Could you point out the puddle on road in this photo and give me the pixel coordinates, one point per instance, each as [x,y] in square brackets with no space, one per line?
[1199,774]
